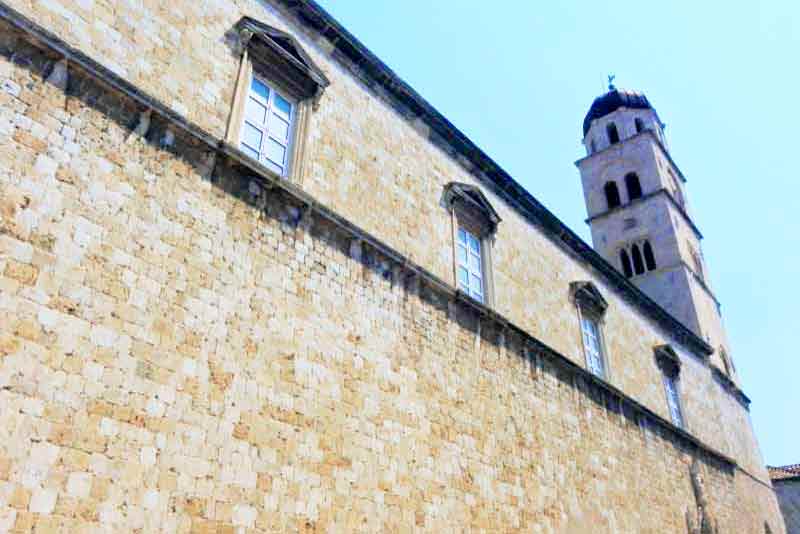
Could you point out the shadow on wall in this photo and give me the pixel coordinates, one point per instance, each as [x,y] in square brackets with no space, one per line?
[263,194]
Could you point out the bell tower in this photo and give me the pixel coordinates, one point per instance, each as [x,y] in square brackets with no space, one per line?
[639,216]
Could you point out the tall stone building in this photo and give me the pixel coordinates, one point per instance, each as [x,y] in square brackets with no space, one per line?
[639,214]
[253,282]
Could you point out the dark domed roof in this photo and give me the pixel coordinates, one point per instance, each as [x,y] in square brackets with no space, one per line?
[612,101]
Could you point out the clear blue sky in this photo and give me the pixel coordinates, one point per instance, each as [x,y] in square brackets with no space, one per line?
[518,76]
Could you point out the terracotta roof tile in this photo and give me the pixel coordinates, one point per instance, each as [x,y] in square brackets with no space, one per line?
[783,472]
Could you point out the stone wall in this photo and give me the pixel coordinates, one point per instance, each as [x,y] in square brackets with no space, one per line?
[788,492]
[370,163]
[183,347]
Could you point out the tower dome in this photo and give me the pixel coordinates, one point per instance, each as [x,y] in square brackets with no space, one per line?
[612,101]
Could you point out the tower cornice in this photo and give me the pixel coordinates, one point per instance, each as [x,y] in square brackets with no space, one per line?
[655,138]
[644,198]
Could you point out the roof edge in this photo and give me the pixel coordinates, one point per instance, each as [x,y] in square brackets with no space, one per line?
[373,72]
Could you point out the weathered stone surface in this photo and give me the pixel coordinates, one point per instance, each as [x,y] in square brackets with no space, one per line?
[199,361]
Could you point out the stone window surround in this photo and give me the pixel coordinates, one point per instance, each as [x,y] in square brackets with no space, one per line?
[469,209]
[627,247]
[590,304]
[669,363]
[277,59]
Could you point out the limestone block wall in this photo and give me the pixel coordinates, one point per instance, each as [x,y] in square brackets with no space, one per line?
[120,266]
[364,160]
[788,492]
[185,349]
[637,154]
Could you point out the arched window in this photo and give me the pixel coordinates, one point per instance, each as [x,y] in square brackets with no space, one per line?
[626,263]
[639,125]
[593,146]
[698,264]
[633,185]
[649,258]
[613,134]
[612,195]
[638,264]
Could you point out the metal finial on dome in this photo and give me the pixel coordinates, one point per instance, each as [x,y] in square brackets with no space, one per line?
[611,86]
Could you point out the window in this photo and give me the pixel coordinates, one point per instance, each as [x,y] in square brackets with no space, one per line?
[638,265]
[639,124]
[267,128]
[591,309]
[613,134]
[626,263]
[633,185]
[673,399]
[612,195]
[670,365]
[593,146]
[698,263]
[592,346]
[470,268]
[637,258]
[649,258]
[277,86]
[474,225]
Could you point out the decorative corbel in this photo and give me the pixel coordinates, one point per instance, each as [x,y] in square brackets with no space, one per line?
[168,139]
[142,126]
[355,249]
[59,75]
[306,217]
[317,98]
[244,39]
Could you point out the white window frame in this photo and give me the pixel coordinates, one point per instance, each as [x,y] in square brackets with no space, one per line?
[593,350]
[271,112]
[470,261]
[673,394]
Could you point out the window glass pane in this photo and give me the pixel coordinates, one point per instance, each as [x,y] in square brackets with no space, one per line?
[462,236]
[476,284]
[462,276]
[259,89]
[477,296]
[462,254]
[255,112]
[473,243]
[275,151]
[268,164]
[249,151]
[474,263]
[278,127]
[283,106]
[251,136]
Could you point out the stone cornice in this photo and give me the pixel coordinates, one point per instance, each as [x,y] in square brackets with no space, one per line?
[641,199]
[730,386]
[371,71]
[658,142]
[51,44]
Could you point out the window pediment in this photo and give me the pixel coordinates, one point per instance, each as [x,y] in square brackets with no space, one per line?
[473,202]
[668,360]
[281,57]
[588,297]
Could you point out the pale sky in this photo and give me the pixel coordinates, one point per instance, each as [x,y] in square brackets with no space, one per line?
[518,76]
